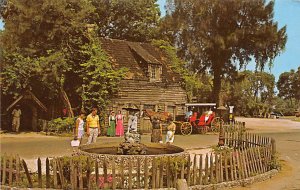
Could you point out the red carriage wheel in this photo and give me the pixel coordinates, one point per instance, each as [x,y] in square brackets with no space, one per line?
[186,128]
[215,124]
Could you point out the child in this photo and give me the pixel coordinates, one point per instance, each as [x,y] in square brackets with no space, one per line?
[79,130]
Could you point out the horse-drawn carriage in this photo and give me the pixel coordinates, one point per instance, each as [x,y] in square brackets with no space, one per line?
[199,123]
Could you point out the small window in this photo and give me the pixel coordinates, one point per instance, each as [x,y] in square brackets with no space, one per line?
[155,72]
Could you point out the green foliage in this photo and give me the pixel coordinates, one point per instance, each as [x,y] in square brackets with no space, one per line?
[289,86]
[126,19]
[252,93]
[60,125]
[222,149]
[191,83]
[217,35]
[100,80]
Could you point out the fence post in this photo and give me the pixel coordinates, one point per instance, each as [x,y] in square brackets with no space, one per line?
[47,173]
[138,173]
[97,174]
[10,174]
[17,169]
[114,180]
[200,169]
[146,173]
[39,163]
[273,142]
[4,169]
[122,172]
[54,173]
[27,173]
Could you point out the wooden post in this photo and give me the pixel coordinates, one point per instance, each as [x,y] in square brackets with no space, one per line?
[206,170]
[122,173]
[211,168]
[217,168]
[226,167]
[97,174]
[138,173]
[241,164]
[244,163]
[39,163]
[105,170]
[76,176]
[182,171]
[221,167]
[114,179]
[238,164]
[146,173]
[194,170]
[259,159]
[153,173]
[130,175]
[80,175]
[231,166]
[27,174]
[168,174]
[200,169]
[4,169]
[47,173]
[161,169]
[54,173]
[173,182]
[235,170]
[88,173]
[10,173]
[72,174]
[61,174]
[17,170]
[273,142]
[189,170]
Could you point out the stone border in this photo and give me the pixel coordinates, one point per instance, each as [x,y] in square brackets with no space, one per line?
[236,183]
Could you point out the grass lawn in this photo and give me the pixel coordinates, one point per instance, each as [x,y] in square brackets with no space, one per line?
[293,118]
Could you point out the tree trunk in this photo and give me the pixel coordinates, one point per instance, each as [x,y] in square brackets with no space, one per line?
[67,102]
[217,86]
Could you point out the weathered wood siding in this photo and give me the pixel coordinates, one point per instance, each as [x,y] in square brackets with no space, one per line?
[162,97]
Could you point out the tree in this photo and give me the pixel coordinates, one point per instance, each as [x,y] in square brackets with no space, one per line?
[216,35]
[44,44]
[289,86]
[253,93]
[126,19]
[100,80]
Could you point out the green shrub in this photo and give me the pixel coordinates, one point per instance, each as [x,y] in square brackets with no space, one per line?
[60,125]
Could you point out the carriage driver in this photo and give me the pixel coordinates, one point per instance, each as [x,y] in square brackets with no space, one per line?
[207,115]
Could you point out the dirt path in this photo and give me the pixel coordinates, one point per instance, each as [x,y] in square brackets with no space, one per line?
[287,136]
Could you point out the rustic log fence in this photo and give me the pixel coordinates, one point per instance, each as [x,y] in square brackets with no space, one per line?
[249,155]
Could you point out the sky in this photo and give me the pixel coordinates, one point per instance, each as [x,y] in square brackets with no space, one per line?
[286,12]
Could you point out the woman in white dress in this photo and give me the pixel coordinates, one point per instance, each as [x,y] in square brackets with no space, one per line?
[79,129]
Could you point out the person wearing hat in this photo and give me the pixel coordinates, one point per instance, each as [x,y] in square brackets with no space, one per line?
[111,130]
[16,113]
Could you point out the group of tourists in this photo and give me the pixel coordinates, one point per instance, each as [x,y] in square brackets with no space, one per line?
[115,125]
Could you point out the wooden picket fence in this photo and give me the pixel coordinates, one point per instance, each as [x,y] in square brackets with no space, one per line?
[249,155]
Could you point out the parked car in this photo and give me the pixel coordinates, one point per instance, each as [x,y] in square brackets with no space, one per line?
[276,115]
